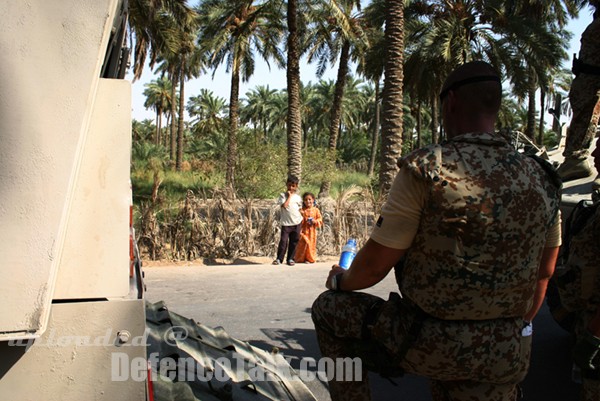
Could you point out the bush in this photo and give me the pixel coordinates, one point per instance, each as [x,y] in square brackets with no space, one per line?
[262,170]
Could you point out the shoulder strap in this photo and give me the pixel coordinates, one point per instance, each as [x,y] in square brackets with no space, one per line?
[576,221]
[549,169]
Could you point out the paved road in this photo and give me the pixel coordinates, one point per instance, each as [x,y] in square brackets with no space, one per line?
[269,306]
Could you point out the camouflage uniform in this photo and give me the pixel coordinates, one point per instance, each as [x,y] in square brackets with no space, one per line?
[579,287]
[583,96]
[467,280]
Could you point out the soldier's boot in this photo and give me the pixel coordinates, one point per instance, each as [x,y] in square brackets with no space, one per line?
[572,169]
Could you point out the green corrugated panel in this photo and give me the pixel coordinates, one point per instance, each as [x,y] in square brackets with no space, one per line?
[206,347]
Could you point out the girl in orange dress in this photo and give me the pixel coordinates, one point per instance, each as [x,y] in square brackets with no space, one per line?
[307,246]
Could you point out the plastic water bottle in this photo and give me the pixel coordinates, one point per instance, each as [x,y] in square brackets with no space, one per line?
[348,253]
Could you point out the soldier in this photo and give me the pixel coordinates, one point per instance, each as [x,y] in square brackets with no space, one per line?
[583,97]
[475,225]
[578,279]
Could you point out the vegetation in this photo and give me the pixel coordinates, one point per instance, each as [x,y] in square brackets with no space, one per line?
[343,137]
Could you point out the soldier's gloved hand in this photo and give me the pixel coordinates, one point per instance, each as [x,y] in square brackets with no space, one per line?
[585,350]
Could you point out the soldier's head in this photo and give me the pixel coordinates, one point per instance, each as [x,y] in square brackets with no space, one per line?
[470,99]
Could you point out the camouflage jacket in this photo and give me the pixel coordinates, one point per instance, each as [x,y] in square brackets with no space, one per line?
[578,273]
[590,44]
[482,231]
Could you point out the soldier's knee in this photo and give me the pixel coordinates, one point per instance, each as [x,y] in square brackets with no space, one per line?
[320,305]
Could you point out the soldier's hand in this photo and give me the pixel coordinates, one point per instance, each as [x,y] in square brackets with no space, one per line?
[335,270]
[585,351]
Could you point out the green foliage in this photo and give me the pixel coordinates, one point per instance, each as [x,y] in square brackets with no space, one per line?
[262,168]
[550,139]
[354,147]
[346,179]
[173,185]
[313,172]
[209,146]
[145,153]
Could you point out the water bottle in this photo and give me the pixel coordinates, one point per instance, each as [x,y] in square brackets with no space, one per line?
[348,253]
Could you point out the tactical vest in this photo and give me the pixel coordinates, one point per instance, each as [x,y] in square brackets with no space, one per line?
[478,247]
[578,270]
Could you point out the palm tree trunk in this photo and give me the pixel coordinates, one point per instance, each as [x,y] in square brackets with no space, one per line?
[540,140]
[233,126]
[158,125]
[173,141]
[294,118]
[418,123]
[530,131]
[391,123]
[263,123]
[179,159]
[375,131]
[336,116]
[435,132]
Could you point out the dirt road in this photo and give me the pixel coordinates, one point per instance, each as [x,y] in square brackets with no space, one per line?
[269,306]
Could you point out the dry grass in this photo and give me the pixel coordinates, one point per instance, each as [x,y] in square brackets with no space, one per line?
[214,228]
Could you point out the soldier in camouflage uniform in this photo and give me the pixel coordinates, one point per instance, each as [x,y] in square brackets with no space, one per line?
[578,279]
[583,97]
[476,228]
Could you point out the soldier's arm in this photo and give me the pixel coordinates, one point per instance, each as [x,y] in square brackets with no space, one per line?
[545,271]
[372,263]
[391,237]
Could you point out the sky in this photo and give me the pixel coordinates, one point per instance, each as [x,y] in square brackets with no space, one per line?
[275,78]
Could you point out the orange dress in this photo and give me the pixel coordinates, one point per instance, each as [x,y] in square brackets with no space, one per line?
[307,246]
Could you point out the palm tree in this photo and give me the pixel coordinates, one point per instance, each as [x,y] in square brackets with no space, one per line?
[294,117]
[307,94]
[258,108]
[191,63]
[142,131]
[321,103]
[278,117]
[233,32]
[158,97]
[208,113]
[372,68]
[523,40]
[553,16]
[182,62]
[338,36]
[168,68]
[392,101]
[151,24]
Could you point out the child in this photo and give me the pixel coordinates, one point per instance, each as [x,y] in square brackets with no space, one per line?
[290,219]
[307,246]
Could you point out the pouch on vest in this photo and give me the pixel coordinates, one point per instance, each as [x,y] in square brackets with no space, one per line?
[573,282]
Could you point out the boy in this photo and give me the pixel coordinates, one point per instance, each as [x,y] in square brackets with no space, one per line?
[291,219]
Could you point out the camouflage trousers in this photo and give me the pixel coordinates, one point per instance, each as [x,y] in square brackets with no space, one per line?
[583,97]
[434,352]
[590,390]
[590,385]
